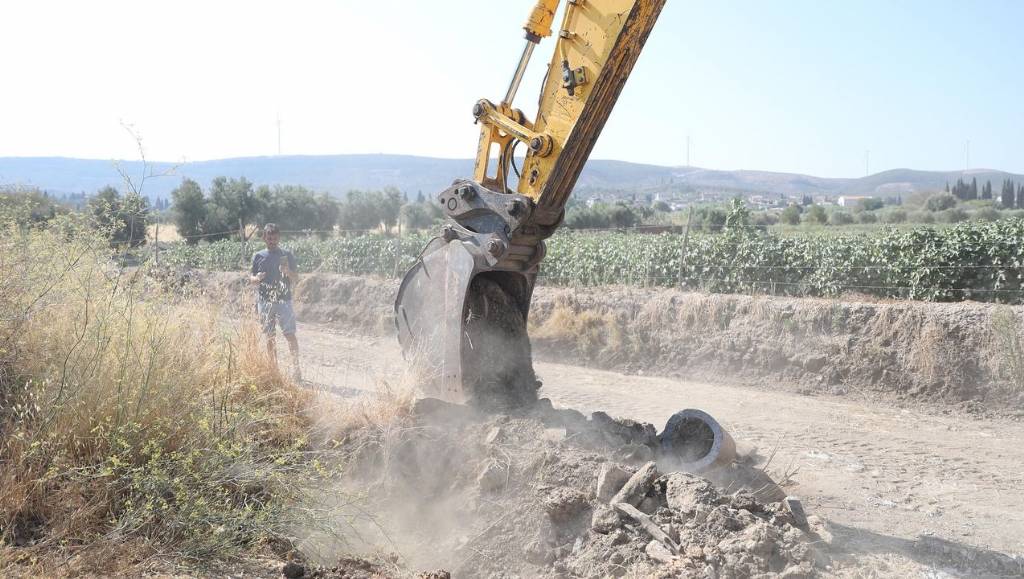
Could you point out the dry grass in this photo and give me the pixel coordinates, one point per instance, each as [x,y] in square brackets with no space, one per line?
[134,423]
[591,333]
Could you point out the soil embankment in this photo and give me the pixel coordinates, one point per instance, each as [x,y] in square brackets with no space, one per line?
[933,352]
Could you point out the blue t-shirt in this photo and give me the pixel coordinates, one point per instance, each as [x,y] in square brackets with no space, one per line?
[274,287]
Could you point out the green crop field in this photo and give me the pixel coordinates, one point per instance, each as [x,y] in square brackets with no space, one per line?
[975,260]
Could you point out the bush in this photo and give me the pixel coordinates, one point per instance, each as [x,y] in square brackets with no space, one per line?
[840,218]
[867,217]
[791,215]
[940,202]
[954,215]
[816,214]
[132,419]
[122,219]
[28,206]
[895,216]
[986,214]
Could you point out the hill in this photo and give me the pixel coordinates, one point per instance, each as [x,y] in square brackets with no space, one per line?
[337,174]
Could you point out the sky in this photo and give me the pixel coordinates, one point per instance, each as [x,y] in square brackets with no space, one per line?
[828,88]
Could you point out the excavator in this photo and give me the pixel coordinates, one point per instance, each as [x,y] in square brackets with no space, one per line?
[462,308]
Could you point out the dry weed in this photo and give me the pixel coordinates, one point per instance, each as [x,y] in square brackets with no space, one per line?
[591,333]
[132,420]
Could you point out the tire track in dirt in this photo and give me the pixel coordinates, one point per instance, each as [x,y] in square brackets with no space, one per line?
[883,476]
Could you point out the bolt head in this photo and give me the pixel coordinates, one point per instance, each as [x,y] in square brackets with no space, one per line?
[448,233]
[478,110]
[495,247]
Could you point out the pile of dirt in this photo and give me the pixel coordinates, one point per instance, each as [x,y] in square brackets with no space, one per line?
[552,493]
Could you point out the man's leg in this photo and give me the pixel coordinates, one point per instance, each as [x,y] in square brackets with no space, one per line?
[267,319]
[286,316]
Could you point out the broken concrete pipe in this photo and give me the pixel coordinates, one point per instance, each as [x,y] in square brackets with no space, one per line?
[695,442]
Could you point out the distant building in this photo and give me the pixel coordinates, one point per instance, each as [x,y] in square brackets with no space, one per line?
[853,200]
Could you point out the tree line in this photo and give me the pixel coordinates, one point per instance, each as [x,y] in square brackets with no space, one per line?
[1011,196]
[231,205]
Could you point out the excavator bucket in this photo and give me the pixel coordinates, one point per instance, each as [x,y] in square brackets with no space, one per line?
[461,315]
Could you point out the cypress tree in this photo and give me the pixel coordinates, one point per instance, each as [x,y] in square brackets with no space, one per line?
[1008,196]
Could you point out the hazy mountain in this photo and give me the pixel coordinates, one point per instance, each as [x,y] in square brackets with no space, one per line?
[337,174]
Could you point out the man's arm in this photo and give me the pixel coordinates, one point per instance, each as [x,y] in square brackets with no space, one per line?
[255,275]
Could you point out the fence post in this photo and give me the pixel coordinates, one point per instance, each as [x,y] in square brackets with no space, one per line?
[686,243]
[241,245]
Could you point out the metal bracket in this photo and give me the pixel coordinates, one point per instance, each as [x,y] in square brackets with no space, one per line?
[484,219]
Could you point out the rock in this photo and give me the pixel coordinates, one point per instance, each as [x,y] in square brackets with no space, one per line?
[554,434]
[821,528]
[442,412]
[624,431]
[635,489]
[796,509]
[694,552]
[492,478]
[494,435]
[634,453]
[610,480]
[564,504]
[570,419]
[685,492]
[293,570]
[605,520]
[814,363]
[439,574]
[660,553]
[619,537]
[649,505]
[538,554]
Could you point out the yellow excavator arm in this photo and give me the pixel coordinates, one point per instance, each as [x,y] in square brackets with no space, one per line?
[461,309]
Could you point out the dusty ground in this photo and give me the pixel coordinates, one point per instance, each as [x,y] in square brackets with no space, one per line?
[905,492]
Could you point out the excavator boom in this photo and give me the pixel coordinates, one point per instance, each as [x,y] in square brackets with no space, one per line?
[461,309]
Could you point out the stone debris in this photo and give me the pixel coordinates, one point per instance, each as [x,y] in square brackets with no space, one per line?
[635,489]
[494,435]
[796,509]
[648,525]
[685,492]
[610,479]
[564,504]
[657,551]
[492,477]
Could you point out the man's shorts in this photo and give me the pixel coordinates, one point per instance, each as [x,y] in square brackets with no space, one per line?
[273,313]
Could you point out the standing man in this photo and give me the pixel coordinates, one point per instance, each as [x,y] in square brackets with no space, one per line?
[273,273]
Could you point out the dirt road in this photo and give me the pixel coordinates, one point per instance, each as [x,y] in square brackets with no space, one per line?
[904,491]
